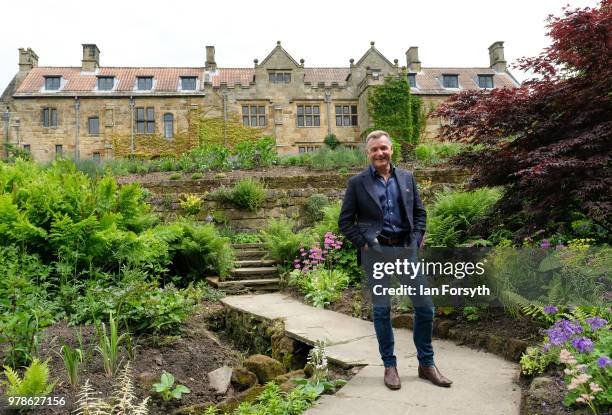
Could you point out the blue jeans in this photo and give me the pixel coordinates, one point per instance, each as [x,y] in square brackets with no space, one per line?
[381,311]
[422,329]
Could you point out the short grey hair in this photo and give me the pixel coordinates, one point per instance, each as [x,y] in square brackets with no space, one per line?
[376,134]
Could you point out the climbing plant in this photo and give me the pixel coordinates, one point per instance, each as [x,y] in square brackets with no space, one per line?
[396,111]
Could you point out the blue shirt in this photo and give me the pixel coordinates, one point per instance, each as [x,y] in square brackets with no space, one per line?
[388,193]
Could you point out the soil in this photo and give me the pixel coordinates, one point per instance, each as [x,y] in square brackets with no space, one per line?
[189,357]
[492,321]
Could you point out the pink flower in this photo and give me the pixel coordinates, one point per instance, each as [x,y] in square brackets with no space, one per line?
[566,357]
[595,387]
[578,380]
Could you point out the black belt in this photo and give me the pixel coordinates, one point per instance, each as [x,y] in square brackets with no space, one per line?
[391,239]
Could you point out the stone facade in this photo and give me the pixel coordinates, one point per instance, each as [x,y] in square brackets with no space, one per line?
[296,104]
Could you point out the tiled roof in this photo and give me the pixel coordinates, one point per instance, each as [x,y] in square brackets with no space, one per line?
[326,75]
[232,76]
[429,80]
[166,80]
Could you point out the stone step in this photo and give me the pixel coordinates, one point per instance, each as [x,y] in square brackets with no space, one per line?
[268,284]
[252,272]
[256,245]
[247,263]
[249,254]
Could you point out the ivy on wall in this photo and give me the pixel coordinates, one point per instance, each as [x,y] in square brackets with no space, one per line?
[203,129]
[394,109]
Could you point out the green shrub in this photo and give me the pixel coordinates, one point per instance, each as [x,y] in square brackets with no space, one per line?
[175,176]
[331,141]
[274,401]
[246,238]
[191,204]
[25,305]
[320,287]
[454,213]
[248,194]
[256,153]
[436,152]
[327,159]
[328,221]
[298,160]
[144,307]
[196,176]
[282,242]
[315,205]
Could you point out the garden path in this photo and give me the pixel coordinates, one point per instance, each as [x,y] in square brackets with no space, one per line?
[483,382]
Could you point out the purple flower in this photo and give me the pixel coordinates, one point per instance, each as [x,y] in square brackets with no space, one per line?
[550,309]
[596,322]
[562,331]
[545,244]
[559,246]
[583,344]
[604,361]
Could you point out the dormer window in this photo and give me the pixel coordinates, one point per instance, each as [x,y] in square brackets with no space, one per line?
[412,80]
[52,83]
[145,83]
[279,77]
[485,81]
[188,83]
[106,83]
[450,81]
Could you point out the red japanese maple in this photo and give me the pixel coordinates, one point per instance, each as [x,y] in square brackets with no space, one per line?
[550,139]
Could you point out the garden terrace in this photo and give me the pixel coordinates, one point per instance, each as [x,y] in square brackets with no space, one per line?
[288,189]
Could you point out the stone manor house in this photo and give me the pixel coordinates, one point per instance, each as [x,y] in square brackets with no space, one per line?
[75,111]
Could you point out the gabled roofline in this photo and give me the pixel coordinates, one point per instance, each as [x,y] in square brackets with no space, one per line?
[373,50]
[277,48]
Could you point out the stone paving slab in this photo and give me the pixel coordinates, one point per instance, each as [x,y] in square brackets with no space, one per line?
[483,383]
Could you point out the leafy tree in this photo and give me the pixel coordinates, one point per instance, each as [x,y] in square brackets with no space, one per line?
[549,139]
[396,111]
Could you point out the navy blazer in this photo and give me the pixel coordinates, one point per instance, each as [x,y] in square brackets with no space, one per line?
[361,216]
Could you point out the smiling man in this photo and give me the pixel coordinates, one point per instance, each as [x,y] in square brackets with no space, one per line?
[382,208]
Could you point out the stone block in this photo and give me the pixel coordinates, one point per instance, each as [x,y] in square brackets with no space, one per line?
[220,378]
[264,367]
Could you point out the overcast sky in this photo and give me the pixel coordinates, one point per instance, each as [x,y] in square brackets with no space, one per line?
[323,32]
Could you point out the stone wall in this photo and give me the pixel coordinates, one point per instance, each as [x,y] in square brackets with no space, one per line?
[286,196]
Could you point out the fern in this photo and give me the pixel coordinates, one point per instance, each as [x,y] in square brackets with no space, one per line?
[122,402]
[35,381]
[454,213]
[282,242]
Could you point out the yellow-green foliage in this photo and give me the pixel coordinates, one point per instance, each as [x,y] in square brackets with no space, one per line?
[191,203]
[203,129]
[210,130]
[35,381]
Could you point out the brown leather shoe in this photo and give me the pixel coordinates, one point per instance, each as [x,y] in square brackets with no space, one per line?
[432,374]
[392,379]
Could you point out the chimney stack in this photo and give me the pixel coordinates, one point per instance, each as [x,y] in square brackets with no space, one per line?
[28,59]
[210,64]
[412,59]
[91,58]
[496,56]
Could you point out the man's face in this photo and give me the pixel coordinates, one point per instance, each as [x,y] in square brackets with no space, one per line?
[379,152]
